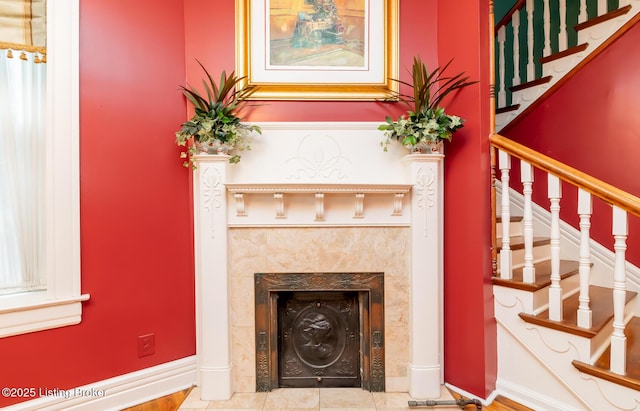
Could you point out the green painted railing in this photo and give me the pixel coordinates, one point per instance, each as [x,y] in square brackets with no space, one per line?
[574,12]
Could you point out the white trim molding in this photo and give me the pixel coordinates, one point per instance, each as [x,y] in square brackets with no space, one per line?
[119,392]
[425,370]
[61,303]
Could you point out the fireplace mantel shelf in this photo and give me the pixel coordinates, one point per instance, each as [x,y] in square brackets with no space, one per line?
[319,188]
[321,195]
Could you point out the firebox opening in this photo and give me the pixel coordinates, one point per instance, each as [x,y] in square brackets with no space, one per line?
[319,330]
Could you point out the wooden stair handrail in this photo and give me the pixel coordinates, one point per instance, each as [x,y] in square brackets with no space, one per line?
[610,194]
[507,17]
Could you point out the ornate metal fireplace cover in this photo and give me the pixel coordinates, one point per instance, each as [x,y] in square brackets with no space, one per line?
[319,339]
[367,289]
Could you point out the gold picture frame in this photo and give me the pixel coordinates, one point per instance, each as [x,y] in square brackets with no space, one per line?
[313,50]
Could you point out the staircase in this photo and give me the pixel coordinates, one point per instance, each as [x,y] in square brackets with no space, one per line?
[566,307]
[539,47]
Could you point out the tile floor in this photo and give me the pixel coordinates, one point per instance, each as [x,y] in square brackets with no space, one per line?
[306,399]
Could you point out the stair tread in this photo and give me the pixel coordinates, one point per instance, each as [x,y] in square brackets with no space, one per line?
[601,368]
[517,242]
[513,218]
[602,18]
[601,307]
[529,84]
[506,109]
[565,53]
[543,275]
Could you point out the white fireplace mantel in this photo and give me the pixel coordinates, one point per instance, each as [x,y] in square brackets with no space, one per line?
[318,175]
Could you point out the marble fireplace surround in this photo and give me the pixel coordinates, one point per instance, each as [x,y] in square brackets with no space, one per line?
[310,198]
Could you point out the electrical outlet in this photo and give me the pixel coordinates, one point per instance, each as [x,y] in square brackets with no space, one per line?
[146,345]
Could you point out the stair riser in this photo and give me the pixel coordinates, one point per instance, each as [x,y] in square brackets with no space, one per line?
[570,285]
[601,341]
[601,31]
[540,253]
[515,228]
[563,64]
[540,300]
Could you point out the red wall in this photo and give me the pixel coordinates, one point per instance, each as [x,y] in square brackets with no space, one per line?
[592,123]
[417,36]
[136,221]
[470,328]
[135,210]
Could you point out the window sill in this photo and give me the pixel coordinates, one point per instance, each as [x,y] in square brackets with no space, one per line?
[20,314]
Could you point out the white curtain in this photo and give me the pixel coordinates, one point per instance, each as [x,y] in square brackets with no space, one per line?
[22,167]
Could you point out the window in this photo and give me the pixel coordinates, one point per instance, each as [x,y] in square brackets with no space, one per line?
[60,303]
[22,148]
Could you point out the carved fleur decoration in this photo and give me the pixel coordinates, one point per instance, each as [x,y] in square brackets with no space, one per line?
[318,157]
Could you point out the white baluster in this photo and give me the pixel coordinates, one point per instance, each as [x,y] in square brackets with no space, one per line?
[502,94]
[602,7]
[618,339]
[526,176]
[547,28]
[506,270]
[562,35]
[583,16]
[555,290]
[515,23]
[531,67]
[584,267]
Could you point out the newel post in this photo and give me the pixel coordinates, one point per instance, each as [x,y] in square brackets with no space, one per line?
[213,343]
[426,306]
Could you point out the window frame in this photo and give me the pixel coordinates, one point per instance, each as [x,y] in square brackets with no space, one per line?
[61,303]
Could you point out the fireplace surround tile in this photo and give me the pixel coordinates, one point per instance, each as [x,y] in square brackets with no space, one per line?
[241,293]
[396,304]
[244,350]
[360,249]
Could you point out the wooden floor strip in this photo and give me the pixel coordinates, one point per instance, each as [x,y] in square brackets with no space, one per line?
[169,402]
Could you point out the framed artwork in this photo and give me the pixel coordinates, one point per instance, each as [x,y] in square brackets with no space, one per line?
[318,49]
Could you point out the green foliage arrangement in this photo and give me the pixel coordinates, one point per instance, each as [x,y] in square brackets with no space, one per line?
[215,125]
[426,120]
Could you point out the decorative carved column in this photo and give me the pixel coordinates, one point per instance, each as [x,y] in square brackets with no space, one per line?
[213,345]
[426,306]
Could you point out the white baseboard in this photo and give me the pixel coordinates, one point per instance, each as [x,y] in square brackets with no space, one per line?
[118,392]
[532,399]
[466,394]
